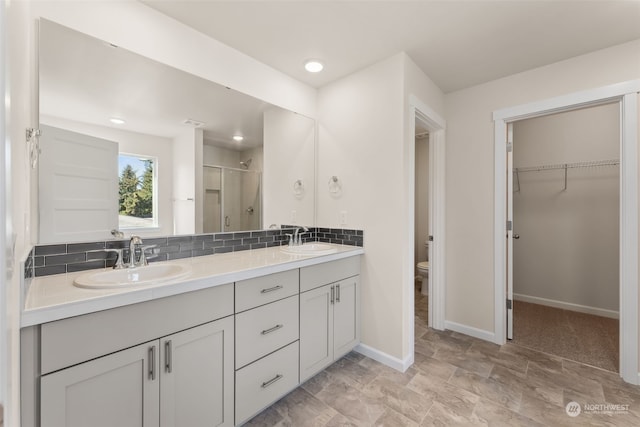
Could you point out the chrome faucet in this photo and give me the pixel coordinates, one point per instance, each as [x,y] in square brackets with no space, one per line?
[296,235]
[135,243]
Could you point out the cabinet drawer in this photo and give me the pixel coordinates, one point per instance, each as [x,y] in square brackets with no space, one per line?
[265,381]
[265,329]
[318,275]
[263,290]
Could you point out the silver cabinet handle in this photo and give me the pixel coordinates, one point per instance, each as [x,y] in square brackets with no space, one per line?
[167,356]
[275,288]
[338,293]
[152,362]
[333,294]
[516,236]
[271,381]
[275,328]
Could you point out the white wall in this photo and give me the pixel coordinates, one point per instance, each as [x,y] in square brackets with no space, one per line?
[364,141]
[469,167]
[137,144]
[568,251]
[19,116]
[5,178]
[188,184]
[289,140]
[217,156]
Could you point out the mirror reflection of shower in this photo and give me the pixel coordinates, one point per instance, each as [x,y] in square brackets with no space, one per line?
[232,198]
[246,163]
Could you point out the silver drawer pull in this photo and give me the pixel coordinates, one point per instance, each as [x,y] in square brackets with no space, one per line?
[152,363]
[271,381]
[275,328]
[275,288]
[167,356]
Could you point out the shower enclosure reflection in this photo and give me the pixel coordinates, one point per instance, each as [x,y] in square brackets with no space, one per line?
[232,199]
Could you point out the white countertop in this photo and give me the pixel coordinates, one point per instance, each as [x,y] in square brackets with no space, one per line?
[55,297]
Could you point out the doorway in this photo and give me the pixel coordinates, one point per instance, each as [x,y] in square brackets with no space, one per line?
[422,230]
[625,95]
[566,210]
[425,120]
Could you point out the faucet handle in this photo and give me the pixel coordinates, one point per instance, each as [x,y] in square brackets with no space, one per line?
[144,259]
[117,234]
[118,264]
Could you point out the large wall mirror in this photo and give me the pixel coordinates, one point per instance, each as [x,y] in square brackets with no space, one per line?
[132,144]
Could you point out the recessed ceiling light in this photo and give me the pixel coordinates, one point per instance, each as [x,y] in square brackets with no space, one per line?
[238,138]
[313,66]
[117,121]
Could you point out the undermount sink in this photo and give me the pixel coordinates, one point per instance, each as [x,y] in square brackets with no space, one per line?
[111,279]
[309,249]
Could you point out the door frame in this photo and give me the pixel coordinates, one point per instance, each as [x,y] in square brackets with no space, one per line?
[626,93]
[436,126]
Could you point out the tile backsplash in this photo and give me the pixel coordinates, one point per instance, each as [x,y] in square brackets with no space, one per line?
[45,260]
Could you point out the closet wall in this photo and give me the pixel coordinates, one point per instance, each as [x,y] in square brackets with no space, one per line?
[568,253]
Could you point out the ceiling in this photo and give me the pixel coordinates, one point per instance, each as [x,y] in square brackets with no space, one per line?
[458,44]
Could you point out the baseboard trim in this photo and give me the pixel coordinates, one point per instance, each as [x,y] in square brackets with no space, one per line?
[568,306]
[470,330]
[384,358]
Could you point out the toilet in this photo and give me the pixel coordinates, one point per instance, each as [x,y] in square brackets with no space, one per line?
[423,270]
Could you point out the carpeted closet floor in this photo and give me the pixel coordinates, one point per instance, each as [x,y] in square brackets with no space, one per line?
[581,337]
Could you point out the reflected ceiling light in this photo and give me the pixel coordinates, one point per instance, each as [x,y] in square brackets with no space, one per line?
[238,138]
[313,66]
[117,121]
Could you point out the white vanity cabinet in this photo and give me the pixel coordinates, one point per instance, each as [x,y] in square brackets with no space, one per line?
[178,380]
[267,333]
[216,356]
[329,313]
[162,363]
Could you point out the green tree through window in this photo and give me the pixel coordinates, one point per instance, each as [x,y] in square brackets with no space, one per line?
[136,191]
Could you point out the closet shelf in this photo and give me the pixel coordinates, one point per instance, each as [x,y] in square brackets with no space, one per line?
[568,165]
[565,166]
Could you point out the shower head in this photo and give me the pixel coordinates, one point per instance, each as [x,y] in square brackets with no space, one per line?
[246,163]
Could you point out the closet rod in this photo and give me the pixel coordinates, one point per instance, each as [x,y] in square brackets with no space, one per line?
[563,166]
[568,165]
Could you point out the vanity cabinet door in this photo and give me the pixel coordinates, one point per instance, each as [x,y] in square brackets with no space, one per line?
[197,387]
[120,389]
[329,324]
[346,316]
[316,330]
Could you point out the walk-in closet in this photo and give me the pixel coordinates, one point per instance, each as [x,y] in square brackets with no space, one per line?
[566,210]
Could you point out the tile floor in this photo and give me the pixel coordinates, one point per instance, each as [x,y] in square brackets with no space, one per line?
[457,380]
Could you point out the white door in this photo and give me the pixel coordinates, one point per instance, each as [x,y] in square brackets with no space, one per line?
[316,330]
[197,376]
[346,317]
[509,301]
[78,186]
[116,390]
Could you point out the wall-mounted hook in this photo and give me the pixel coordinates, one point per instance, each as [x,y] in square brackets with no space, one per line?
[298,188]
[335,186]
